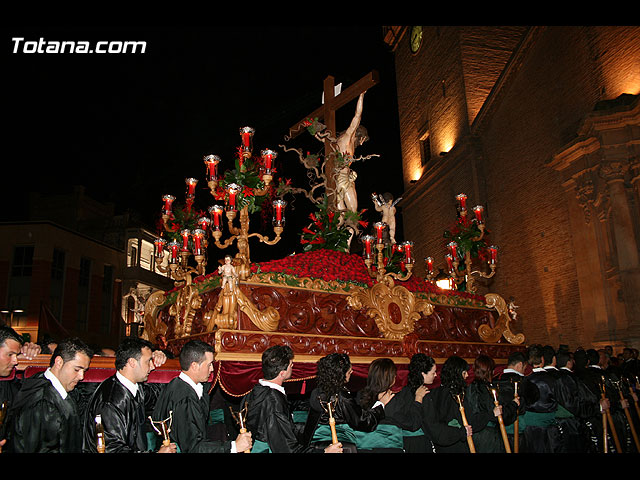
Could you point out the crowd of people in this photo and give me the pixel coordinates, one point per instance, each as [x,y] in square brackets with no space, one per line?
[545,400]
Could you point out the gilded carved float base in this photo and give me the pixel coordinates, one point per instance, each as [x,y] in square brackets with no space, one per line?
[386,320]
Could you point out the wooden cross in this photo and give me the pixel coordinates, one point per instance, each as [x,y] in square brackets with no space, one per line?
[326,114]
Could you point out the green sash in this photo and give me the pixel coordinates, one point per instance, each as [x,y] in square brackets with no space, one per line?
[345,433]
[384,436]
[259,446]
[409,433]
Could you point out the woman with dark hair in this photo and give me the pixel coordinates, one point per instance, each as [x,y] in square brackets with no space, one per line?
[481,411]
[442,416]
[400,430]
[333,374]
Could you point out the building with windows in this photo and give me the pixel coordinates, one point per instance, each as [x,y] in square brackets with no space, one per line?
[540,125]
[70,270]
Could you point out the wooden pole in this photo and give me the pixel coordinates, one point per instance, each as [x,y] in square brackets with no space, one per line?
[472,447]
[503,430]
[607,412]
[629,420]
[516,423]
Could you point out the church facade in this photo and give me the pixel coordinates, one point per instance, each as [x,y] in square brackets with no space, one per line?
[541,126]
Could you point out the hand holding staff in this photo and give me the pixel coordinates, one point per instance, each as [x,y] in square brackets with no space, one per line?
[503,430]
[241,418]
[609,418]
[472,447]
[332,420]
[625,407]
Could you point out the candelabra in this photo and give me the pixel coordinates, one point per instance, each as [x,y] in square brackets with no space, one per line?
[238,189]
[241,191]
[459,257]
[381,267]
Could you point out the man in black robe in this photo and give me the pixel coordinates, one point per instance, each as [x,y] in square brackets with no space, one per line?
[268,414]
[582,403]
[12,348]
[185,400]
[120,401]
[44,417]
[541,433]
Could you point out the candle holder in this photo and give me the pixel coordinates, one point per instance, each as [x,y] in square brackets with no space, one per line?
[460,256]
[238,193]
[378,260]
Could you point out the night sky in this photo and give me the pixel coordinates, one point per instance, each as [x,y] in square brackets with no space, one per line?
[132,127]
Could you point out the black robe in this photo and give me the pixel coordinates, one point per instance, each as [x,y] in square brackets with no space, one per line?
[190,415]
[123,417]
[347,412]
[270,422]
[41,421]
[443,420]
[541,433]
[584,405]
[479,405]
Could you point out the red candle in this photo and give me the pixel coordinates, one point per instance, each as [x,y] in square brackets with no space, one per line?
[246,133]
[168,202]
[449,260]
[478,209]
[203,223]
[367,240]
[174,246]
[160,243]
[379,226]
[462,198]
[268,156]
[185,239]
[453,249]
[211,162]
[429,261]
[407,251]
[191,186]
[278,209]
[216,211]
[197,240]
[493,250]
[233,190]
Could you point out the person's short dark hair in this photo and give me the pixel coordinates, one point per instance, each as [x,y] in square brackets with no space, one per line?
[8,333]
[130,347]
[548,352]
[193,351]
[562,358]
[515,358]
[593,357]
[276,359]
[68,348]
[420,363]
[534,355]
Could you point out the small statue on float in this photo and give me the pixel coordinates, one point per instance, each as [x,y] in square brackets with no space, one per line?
[387,205]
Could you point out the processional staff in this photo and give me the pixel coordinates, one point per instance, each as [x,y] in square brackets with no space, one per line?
[4,406]
[329,408]
[165,428]
[241,418]
[609,420]
[100,445]
[516,423]
[635,401]
[503,430]
[625,407]
[472,447]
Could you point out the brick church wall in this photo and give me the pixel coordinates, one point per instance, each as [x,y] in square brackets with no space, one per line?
[500,161]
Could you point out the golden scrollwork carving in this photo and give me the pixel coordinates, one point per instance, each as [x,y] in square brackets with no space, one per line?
[492,335]
[225,313]
[394,308]
[153,326]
